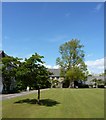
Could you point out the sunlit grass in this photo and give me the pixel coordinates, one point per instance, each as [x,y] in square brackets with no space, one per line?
[57,103]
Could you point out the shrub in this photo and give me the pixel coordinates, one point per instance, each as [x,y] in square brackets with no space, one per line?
[83,86]
[100,86]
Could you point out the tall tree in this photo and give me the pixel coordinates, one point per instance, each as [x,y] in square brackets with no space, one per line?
[72,60]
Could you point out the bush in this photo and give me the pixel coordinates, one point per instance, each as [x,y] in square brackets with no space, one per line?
[66,84]
[83,86]
[10,91]
[100,86]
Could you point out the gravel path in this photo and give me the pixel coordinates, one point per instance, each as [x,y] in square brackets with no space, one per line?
[9,96]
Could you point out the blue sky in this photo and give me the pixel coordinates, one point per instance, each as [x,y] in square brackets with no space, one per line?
[43,27]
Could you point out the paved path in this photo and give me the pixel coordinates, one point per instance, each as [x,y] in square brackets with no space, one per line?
[8,96]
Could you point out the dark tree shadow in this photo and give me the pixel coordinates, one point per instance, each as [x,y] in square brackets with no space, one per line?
[48,102]
[43,102]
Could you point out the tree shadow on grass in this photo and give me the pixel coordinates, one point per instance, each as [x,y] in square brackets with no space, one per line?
[43,102]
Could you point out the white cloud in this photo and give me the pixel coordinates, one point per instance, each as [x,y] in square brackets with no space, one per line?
[51,67]
[48,66]
[55,66]
[22,60]
[96,66]
[99,6]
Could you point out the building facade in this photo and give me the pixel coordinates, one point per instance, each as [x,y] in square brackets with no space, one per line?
[56,79]
[59,84]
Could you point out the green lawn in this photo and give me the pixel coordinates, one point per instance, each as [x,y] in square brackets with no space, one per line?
[57,103]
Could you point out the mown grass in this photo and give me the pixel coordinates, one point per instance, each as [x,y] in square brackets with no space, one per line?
[57,103]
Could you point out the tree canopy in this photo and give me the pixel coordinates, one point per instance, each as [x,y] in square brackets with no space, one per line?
[71,62]
[9,69]
[31,72]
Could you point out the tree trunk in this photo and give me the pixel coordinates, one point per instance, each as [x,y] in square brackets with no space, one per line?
[38,95]
[8,88]
[71,84]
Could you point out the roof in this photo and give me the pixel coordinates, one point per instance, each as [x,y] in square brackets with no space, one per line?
[56,72]
[97,77]
[2,54]
[90,78]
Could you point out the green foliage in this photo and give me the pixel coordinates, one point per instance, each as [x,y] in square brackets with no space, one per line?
[75,74]
[33,73]
[71,54]
[55,83]
[9,69]
[71,61]
[30,72]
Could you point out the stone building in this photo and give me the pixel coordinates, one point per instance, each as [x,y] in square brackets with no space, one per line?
[97,77]
[56,79]
[59,84]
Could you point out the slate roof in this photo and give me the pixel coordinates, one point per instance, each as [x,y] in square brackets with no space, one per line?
[56,72]
[89,79]
[97,77]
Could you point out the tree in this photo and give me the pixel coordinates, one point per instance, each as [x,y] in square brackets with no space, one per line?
[33,73]
[75,74]
[71,61]
[42,79]
[9,69]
